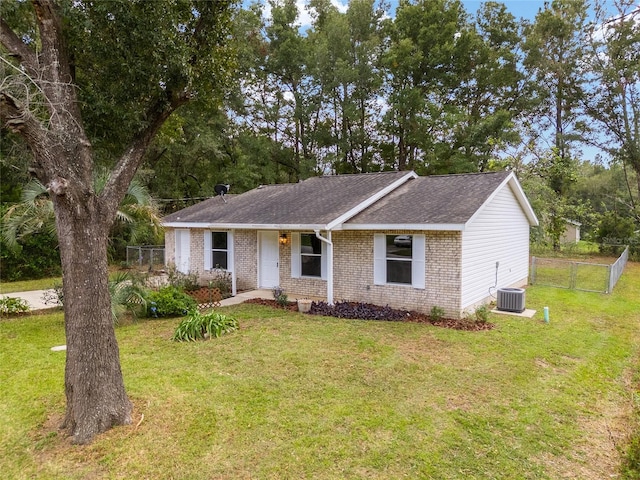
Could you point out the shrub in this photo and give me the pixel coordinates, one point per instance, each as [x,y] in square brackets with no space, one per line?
[54,298]
[280,296]
[482,314]
[12,306]
[436,314]
[201,326]
[127,295]
[169,302]
[182,281]
[358,311]
[36,256]
[221,281]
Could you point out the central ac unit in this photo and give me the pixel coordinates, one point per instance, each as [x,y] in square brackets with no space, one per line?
[511,299]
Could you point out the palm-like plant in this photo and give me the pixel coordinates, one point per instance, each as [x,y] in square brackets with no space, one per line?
[138,214]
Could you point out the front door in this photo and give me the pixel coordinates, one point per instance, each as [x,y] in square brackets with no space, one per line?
[269,253]
[183,250]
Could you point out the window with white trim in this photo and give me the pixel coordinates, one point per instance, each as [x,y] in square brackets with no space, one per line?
[308,256]
[399,259]
[217,250]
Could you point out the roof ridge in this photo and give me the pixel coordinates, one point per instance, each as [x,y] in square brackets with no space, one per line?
[389,172]
[466,174]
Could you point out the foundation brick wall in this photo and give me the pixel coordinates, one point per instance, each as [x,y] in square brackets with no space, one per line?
[353,266]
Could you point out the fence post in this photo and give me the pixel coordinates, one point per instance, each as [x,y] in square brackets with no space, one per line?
[574,274]
[610,277]
[533,270]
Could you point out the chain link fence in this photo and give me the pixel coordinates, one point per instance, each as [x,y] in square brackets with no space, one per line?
[585,276]
[151,256]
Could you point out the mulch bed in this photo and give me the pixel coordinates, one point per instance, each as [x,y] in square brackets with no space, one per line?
[398,315]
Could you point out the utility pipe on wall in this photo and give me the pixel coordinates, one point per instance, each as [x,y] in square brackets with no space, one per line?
[329,243]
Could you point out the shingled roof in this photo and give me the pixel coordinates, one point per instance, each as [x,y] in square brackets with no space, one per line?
[389,199]
[438,199]
[316,201]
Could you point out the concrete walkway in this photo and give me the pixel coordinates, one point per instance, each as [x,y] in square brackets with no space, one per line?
[35,298]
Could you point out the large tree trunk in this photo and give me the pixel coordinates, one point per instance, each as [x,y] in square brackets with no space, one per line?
[94,387]
[63,161]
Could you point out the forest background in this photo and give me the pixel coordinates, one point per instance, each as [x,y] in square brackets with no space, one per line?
[433,88]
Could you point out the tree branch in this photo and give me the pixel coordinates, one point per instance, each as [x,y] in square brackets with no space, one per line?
[21,120]
[126,168]
[17,48]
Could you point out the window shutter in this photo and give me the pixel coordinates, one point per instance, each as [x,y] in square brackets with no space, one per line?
[296,266]
[207,251]
[230,249]
[379,259]
[418,263]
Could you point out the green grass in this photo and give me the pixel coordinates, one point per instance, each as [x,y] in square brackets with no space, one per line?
[294,396]
[44,283]
[29,285]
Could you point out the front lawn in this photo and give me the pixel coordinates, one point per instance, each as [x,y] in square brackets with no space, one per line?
[297,396]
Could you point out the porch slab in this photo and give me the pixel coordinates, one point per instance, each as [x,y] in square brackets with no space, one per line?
[528,313]
[263,293]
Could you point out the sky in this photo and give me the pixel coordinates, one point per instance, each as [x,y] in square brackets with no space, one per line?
[519,8]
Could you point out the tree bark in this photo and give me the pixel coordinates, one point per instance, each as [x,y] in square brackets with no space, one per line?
[94,386]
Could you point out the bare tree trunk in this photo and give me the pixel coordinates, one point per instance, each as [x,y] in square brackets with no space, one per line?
[94,386]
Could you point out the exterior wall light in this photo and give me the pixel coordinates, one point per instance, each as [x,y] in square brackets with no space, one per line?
[283,239]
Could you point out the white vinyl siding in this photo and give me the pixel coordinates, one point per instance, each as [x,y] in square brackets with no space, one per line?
[499,233]
[417,260]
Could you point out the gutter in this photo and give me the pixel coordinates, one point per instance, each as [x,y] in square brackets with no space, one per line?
[329,243]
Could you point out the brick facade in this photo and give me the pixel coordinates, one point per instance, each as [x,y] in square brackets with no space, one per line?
[353,269]
[353,273]
[245,256]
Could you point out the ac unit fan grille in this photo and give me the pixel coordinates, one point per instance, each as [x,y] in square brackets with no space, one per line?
[511,300]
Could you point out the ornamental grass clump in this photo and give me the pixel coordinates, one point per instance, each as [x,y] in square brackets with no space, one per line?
[198,326]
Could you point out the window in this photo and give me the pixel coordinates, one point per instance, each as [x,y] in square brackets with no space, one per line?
[399,259]
[399,256]
[310,255]
[218,250]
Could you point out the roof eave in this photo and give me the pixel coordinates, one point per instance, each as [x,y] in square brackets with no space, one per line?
[459,227]
[246,226]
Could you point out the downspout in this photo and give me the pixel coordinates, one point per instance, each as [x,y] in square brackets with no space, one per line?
[329,264]
[233,259]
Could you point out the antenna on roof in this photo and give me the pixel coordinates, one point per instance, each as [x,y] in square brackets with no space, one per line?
[222,190]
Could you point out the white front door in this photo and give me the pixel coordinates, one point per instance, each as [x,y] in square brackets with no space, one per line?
[183,250]
[269,266]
